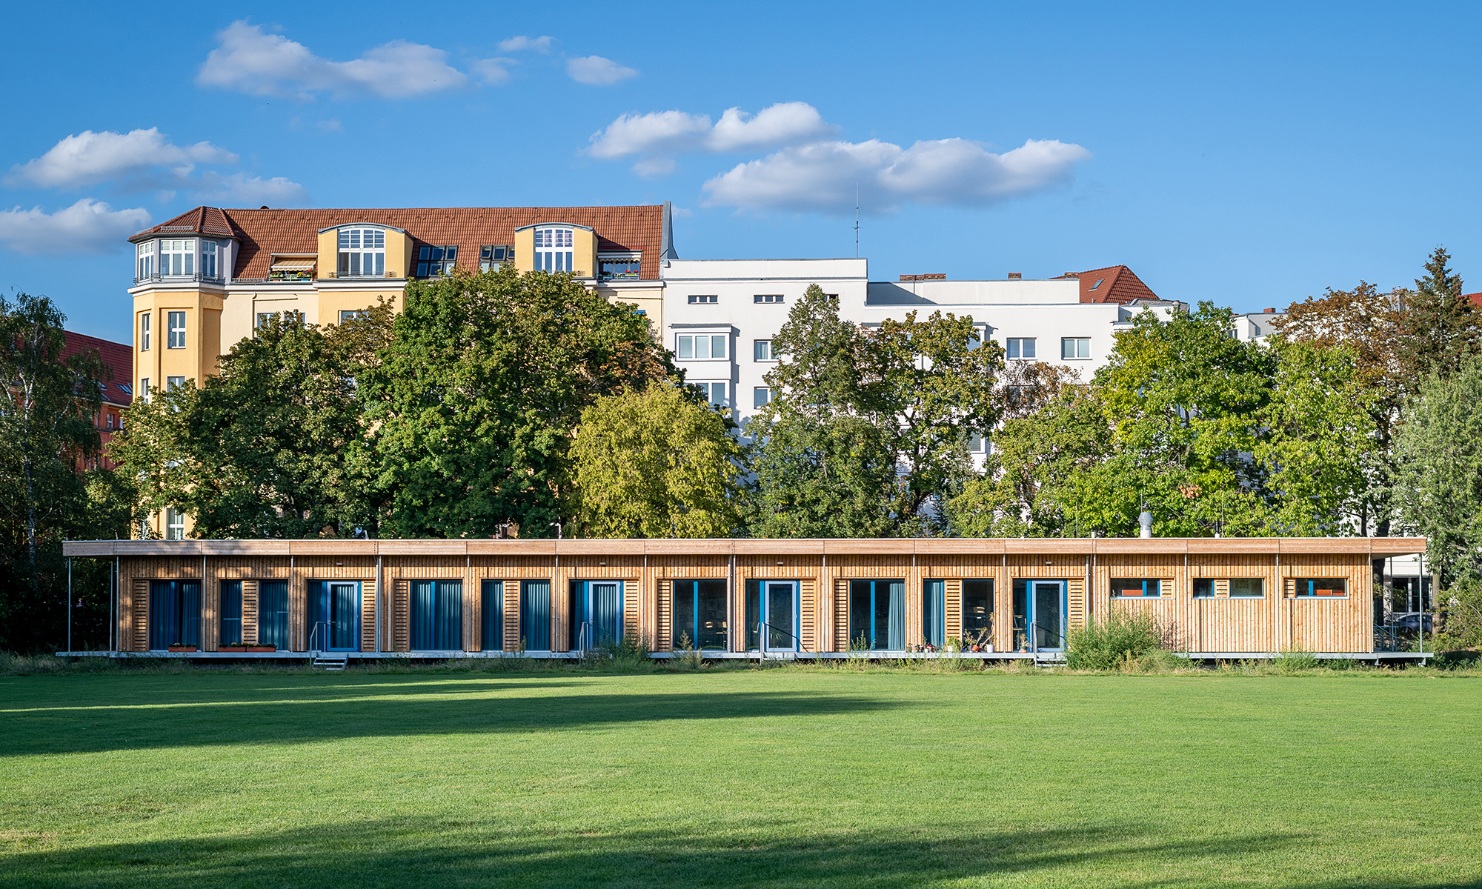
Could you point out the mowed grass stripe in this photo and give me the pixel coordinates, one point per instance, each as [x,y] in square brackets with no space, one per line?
[738,778]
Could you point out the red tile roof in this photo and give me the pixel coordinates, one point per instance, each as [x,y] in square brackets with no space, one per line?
[118,364]
[1113,284]
[264,232]
[1476,298]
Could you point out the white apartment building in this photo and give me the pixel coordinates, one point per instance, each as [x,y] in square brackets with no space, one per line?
[720,315]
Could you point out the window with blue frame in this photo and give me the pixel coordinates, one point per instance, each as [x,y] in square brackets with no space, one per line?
[231,612]
[491,615]
[334,615]
[1321,586]
[174,613]
[773,604]
[535,615]
[877,614]
[1135,588]
[272,613]
[699,614]
[596,613]
[437,615]
[934,613]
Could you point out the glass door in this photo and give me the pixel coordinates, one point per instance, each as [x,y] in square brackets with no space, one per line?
[781,600]
[1048,597]
[334,608]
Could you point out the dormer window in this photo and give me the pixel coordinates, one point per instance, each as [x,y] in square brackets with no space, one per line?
[554,249]
[177,257]
[434,261]
[362,253]
[493,256]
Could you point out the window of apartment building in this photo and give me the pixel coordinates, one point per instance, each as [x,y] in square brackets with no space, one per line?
[112,421]
[1075,347]
[1021,347]
[144,332]
[703,299]
[174,383]
[619,267]
[351,314]
[209,255]
[715,393]
[553,249]
[178,257]
[1321,586]
[492,256]
[761,350]
[144,388]
[761,396]
[175,335]
[1135,588]
[145,259]
[362,253]
[436,261]
[174,524]
[976,443]
[767,299]
[701,347]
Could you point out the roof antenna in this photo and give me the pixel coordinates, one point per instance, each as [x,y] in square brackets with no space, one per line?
[856,219]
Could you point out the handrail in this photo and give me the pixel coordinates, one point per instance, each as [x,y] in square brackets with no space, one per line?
[313,637]
[763,637]
[1034,637]
[583,639]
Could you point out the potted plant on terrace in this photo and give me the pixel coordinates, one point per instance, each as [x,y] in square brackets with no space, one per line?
[179,647]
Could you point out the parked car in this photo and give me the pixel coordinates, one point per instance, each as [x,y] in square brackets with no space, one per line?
[1408,624]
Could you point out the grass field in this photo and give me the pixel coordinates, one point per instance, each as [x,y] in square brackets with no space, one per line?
[775,777]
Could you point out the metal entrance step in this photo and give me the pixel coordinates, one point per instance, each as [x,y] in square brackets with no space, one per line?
[329,662]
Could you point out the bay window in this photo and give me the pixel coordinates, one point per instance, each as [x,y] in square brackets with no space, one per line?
[177,257]
[554,249]
[362,253]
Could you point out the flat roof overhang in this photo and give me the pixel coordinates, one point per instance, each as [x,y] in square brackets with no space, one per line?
[1373,547]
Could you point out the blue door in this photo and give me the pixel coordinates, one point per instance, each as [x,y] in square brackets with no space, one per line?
[334,615]
[596,613]
[1047,614]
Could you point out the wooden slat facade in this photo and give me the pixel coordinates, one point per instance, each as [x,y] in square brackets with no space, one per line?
[821,569]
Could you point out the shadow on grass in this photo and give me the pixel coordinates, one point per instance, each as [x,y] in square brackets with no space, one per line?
[492,853]
[380,709]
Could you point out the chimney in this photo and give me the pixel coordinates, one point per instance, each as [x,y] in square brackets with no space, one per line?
[1268,311]
[1145,522]
[1016,276]
[927,276]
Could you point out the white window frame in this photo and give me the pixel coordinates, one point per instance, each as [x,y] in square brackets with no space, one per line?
[703,299]
[361,252]
[144,261]
[173,383]
[144,332]
[210,260]
[761,350]
[768,299]
[1075,344]
[761,396]
[144,388]
[177,257]
[175,335]
[1015,344]
[352,314]
[555,248]
[174,524]
[709,387]
[689,342]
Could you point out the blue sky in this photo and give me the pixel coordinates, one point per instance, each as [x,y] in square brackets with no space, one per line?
[1251,154]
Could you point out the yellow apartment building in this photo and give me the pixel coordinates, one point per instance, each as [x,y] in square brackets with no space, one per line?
[209,277]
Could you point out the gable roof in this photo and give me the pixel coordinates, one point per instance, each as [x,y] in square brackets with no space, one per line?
[1113,284]
[118,364]
[263,232]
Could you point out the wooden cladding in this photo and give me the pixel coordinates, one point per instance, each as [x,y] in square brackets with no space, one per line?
[1283,616]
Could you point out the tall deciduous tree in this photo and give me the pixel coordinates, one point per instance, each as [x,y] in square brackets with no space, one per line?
[1439,477]
[656,463]
[475,399]
[47,435]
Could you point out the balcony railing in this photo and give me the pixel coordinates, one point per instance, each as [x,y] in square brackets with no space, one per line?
[157,278]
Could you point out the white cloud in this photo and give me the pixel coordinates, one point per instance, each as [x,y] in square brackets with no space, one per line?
[88,158]
[660,135]
[823,176]
[522,43]
[242,190]
[494,72]
[250,60]
[597,71]
[88,226]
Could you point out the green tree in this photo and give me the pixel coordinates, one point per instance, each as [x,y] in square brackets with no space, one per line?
[1439,326]
[656,463]
[47,436]
[268,447]
[1439,477]
[475,398]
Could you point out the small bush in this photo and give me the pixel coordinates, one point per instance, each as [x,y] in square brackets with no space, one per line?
[1295,660]
[1121,642]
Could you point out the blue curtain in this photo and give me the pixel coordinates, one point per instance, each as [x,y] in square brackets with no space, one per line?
[344,616]
[437,615]
[272,613]
[231,612]
[174,613]
[535,615]
[491,628]
[607,612]
[933,612]
[897,634]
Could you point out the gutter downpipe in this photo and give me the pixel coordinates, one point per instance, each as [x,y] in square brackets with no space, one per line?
[380,598]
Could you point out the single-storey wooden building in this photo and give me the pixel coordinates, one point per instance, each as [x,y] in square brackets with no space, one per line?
[892,597]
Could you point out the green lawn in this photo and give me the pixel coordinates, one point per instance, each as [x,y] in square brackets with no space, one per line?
[739,778]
